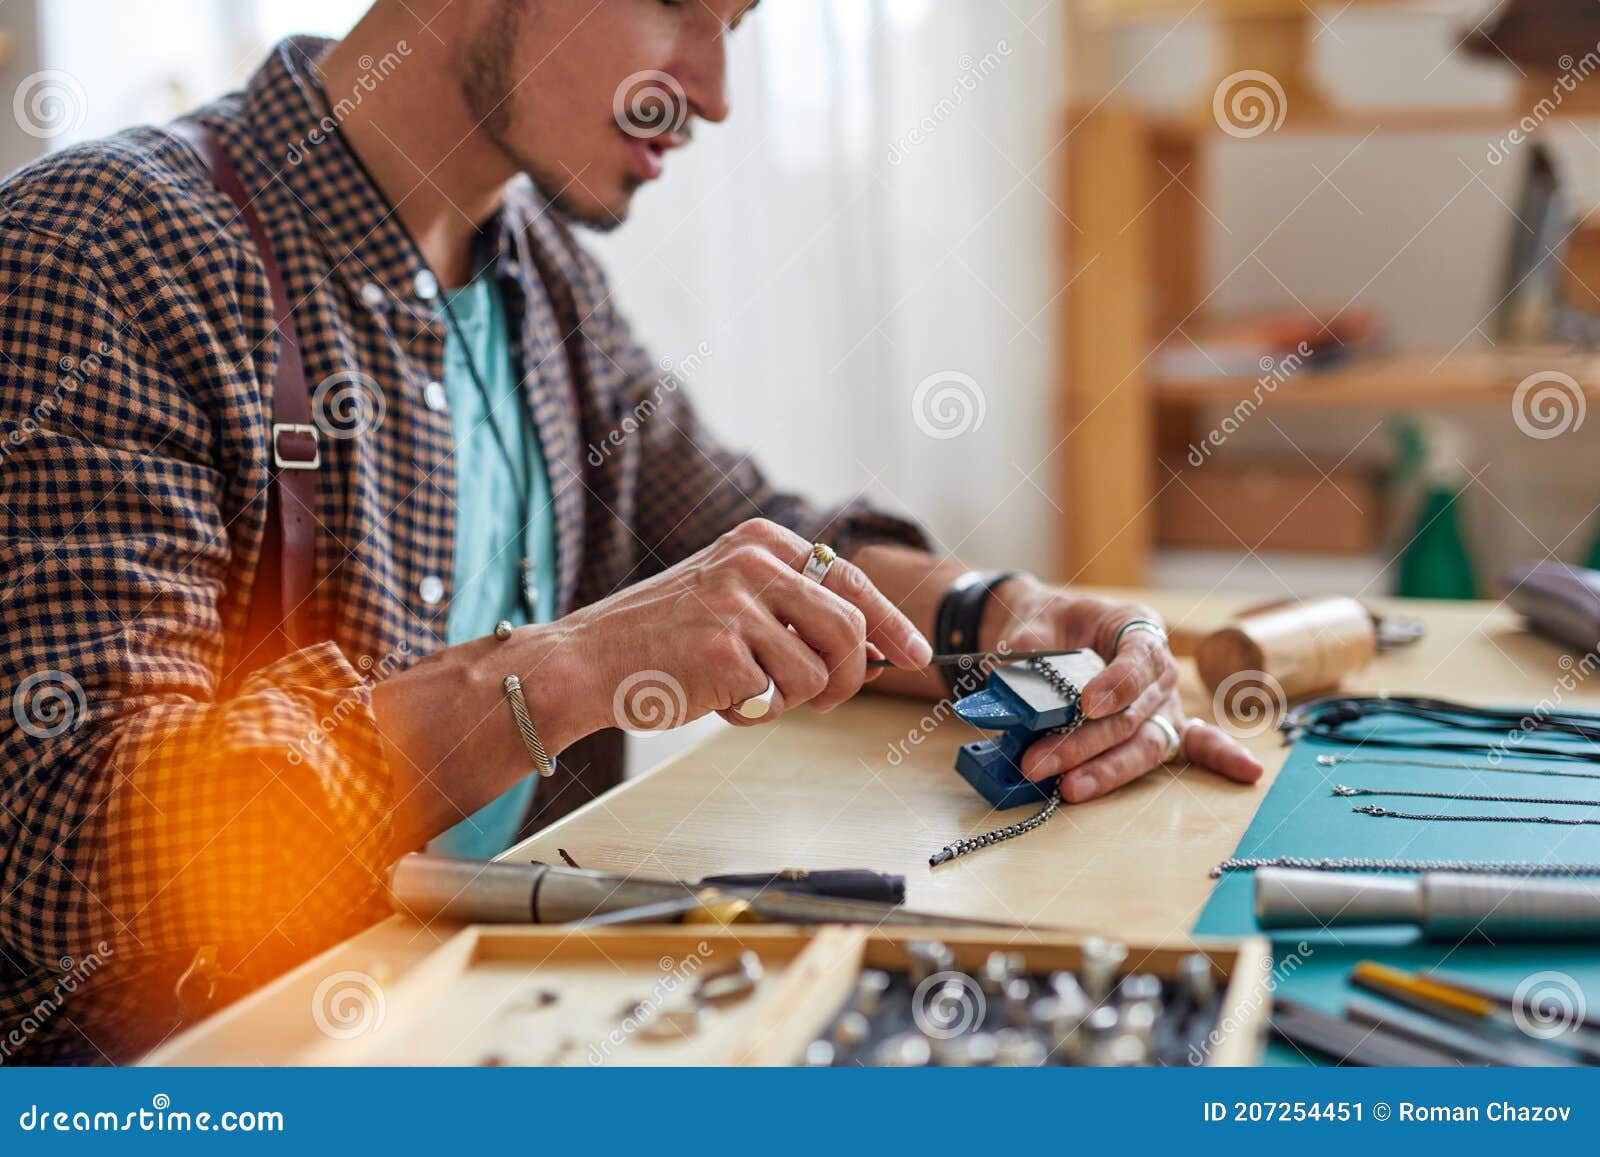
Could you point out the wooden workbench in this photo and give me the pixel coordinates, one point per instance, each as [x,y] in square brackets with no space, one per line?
[826,791]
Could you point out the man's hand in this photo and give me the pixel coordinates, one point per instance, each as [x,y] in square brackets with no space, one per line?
[707,634]
[1118,743]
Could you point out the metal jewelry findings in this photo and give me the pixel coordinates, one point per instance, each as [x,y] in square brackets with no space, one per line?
[502,630]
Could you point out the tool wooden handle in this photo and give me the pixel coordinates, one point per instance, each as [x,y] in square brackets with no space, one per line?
[1381,978]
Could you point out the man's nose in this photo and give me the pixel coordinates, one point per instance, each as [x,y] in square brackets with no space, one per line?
[704,76]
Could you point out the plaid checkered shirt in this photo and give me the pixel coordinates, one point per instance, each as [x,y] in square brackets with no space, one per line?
[156,797]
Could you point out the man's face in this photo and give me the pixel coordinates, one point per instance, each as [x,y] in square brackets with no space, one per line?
[588,97]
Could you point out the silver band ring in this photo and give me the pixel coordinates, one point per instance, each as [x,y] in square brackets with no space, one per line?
[1174,740]
[819,562]
[1138,625]
[757,706]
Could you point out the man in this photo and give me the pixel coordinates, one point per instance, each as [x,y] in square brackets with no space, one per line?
[195,804]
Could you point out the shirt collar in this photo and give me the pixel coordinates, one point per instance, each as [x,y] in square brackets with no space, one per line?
[293,131]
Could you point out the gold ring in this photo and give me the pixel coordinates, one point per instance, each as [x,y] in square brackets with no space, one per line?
[819,562]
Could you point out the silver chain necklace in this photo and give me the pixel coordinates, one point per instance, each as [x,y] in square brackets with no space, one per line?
[1452,764]
[1069,694]
[1385,813]
[1352,791]
[1367,864]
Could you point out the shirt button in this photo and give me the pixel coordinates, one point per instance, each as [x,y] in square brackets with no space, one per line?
[432,590]
[426,286]
[372,294]
[435,397]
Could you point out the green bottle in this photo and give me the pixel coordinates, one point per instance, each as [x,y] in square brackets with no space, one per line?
[1436,563]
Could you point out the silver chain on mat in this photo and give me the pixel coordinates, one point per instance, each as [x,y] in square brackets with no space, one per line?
[1369,791]
[1385,813]
[1068,692]
[1453,765]
[1361,864]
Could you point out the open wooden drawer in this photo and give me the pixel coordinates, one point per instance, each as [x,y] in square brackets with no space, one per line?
[508,995]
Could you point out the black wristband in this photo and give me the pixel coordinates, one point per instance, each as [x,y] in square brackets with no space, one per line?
[959,620]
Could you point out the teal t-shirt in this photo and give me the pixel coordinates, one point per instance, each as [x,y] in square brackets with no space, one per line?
[489,542]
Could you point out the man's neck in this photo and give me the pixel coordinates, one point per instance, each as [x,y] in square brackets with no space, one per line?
[411,127]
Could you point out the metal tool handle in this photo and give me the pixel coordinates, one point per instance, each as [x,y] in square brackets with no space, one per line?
[473,892]
[1290,898]
[1443,905]
[1457,906]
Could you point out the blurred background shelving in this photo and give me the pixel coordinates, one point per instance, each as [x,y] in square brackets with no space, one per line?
[1145,214]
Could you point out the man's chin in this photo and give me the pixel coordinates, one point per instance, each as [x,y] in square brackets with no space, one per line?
[591,214]
[575,203]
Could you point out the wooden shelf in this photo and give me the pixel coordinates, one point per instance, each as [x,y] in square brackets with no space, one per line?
[1134,271]
[1406,381]
[1388,120]
[1113,12]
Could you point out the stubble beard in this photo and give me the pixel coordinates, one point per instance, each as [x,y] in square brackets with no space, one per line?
[486,72]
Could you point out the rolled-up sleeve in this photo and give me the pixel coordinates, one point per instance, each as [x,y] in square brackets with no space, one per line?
[147,800]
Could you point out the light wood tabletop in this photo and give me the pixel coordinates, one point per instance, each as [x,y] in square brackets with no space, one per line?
[872,785]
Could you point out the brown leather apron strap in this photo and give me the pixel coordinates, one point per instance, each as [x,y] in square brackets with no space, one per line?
[280,608]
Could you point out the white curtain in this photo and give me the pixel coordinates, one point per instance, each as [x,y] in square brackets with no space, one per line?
[878,215]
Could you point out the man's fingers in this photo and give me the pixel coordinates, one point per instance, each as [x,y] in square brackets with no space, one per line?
[743,678]
[873,656]
[893,633]
[1204,746]
[889,630]
[1122,764]
[833,629]
[1054,754]
[1213,748]
[1139,660]
[774,711]
[797,670]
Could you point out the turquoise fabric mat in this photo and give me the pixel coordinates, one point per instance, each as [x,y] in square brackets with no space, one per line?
[1299,817]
